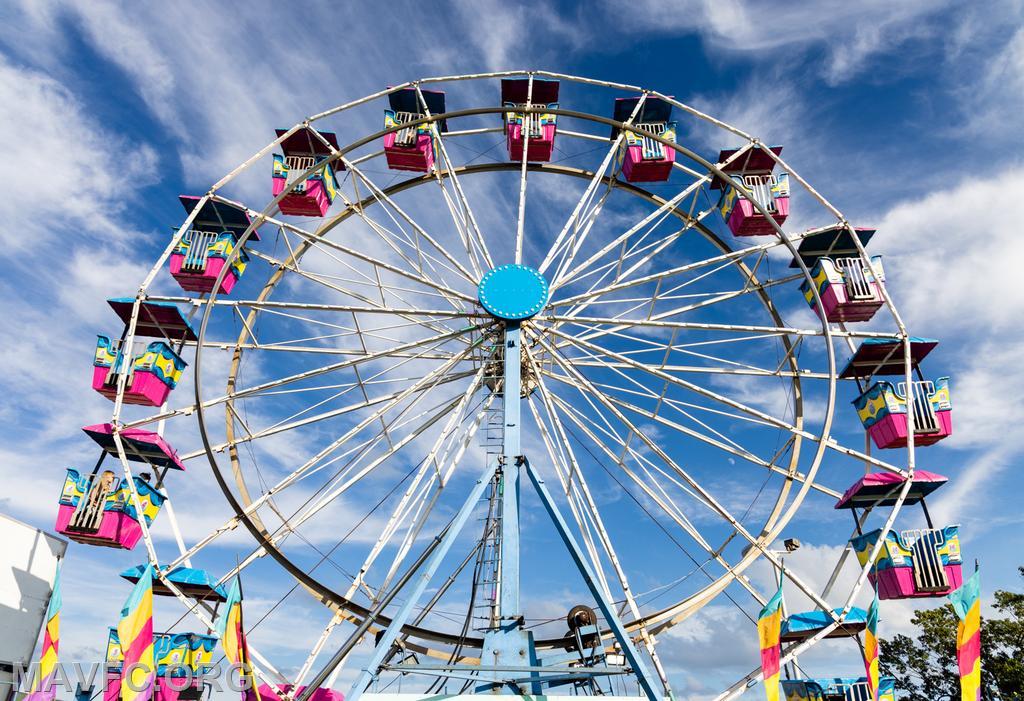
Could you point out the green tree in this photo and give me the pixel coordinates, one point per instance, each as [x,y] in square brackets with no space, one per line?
[925,667]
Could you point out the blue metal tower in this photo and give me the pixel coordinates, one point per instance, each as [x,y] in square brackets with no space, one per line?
[509,661]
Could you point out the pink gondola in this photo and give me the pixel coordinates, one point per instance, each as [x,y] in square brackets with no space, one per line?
[301,151]
[850,288]
[753,170]
[97,508]
[152,373]
[644,159]
[915,563]
[180,659]
[882,405]
[539,127]
[412,148]
[153,368]
[204,250]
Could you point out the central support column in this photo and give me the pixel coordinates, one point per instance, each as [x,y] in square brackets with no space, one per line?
[508,645]
[512,294]
[509,484]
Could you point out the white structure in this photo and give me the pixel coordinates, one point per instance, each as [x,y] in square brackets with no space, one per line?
[28,567]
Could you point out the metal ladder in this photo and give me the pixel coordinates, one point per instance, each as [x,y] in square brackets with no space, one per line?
[925,420]
[761,187]
[492,440]
[924,544]
[855,279]
[488,579]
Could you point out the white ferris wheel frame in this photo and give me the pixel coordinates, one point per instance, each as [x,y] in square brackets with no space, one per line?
[478,255]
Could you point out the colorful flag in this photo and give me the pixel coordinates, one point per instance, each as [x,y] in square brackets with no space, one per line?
[43,688]
[871,647]
[135,634]
[769,628]
[232,635]
[967,604]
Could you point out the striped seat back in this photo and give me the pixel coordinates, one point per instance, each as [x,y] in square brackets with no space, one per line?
[651,149]
[929,573]
[858,691]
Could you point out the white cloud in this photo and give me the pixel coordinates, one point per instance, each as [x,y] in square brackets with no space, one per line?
[503,32]
[977,475]
[69,172]
[953,261]
[849,33]
[767,106]
[990,96]
[953,256]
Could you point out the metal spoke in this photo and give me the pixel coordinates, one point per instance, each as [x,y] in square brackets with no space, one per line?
[656,495]
[664,210]
[594,321]
[382,305]
[390,238]
[470,235]
[378,192]
[521,209]
[315,372]
[303,470]
[586,197]
[716,506]
[309,509]
[581,489]
[829,442]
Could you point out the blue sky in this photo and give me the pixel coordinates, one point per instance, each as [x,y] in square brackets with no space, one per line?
[906,117]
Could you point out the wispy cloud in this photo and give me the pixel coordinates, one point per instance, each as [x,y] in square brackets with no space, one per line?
[72,173]
[849,35]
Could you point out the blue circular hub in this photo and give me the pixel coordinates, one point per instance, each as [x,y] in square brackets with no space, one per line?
[513,292]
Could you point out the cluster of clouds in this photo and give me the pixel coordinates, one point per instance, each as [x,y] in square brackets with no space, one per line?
[215,83]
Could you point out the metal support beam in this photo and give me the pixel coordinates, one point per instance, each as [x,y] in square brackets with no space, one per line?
[511,451]
[421,581]
[508,643]
[644,677]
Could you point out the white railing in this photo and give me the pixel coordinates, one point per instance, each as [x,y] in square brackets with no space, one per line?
[88,513]
[531,122]
[761,187]
[197,248]
[651,149]
[924,544]
[856,279]
[925,420]
[297,165]
[406,136]
[123,362]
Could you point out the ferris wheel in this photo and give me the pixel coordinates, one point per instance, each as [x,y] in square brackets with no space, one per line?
[524,340]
